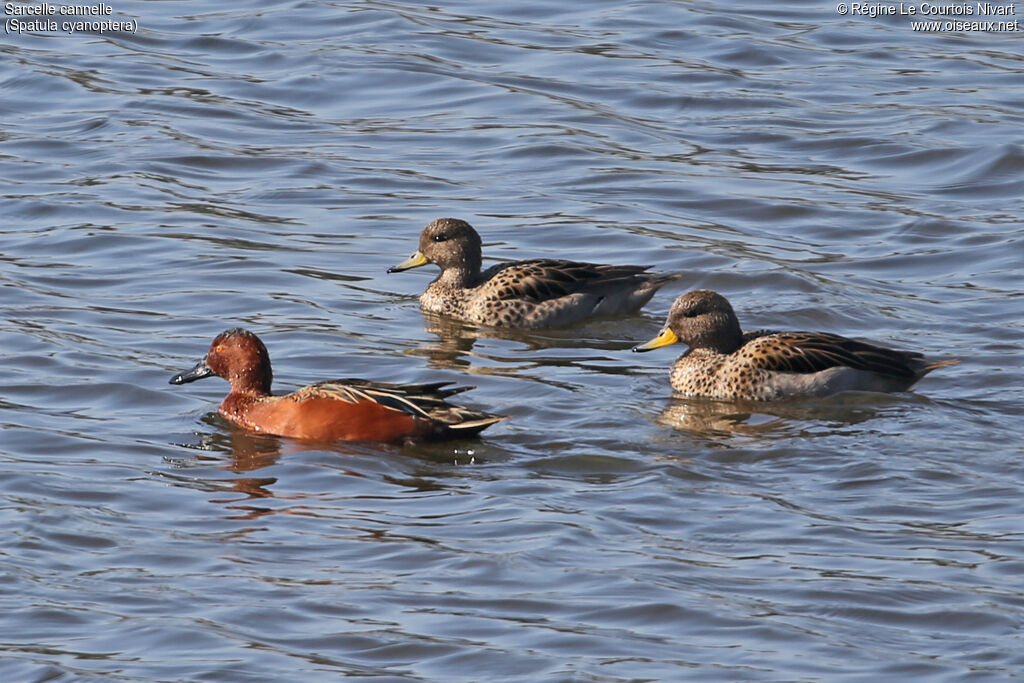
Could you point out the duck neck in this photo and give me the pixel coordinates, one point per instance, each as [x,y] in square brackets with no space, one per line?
[236,405]
[722,335]
[457,278]
[464,273]
[722,346]
[254,381]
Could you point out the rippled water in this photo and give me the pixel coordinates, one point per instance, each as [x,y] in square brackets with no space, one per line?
[262,164]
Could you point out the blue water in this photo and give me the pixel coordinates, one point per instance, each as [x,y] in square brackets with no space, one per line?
[262,164]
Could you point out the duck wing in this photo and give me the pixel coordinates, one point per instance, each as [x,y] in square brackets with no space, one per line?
[425,401]
[539,280]
[810,352]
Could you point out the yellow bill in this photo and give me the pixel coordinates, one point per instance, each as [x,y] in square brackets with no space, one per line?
[414,261]
[666,338]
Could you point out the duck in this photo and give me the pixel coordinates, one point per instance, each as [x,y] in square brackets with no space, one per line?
[532,294]
[728,364]
[336,410]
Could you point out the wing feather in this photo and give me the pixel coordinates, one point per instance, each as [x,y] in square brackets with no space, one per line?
[545,279]
[809,352]
[425,401]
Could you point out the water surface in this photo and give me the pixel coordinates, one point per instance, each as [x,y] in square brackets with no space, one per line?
[262,164]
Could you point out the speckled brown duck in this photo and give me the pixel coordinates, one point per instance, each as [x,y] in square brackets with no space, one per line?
[727,364]
[529,294]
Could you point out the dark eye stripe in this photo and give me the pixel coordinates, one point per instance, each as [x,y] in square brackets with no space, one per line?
[440,238]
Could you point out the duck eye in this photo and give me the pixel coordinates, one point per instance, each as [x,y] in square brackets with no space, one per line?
[440,237]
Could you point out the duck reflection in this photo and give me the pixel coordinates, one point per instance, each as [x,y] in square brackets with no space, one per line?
[721,420]
[456,338]
[454,349]
[709,419]
[249,452]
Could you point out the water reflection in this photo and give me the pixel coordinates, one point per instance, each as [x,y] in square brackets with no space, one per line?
[459,343]
[721,420]
[246,452]
[455,342]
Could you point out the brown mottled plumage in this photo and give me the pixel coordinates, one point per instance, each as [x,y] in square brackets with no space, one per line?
[726,363]
[338,410]
[523,294]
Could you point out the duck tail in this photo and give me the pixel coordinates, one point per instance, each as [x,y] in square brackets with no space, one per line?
[477,426]
[941,364]
[934,365]
[470,427]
